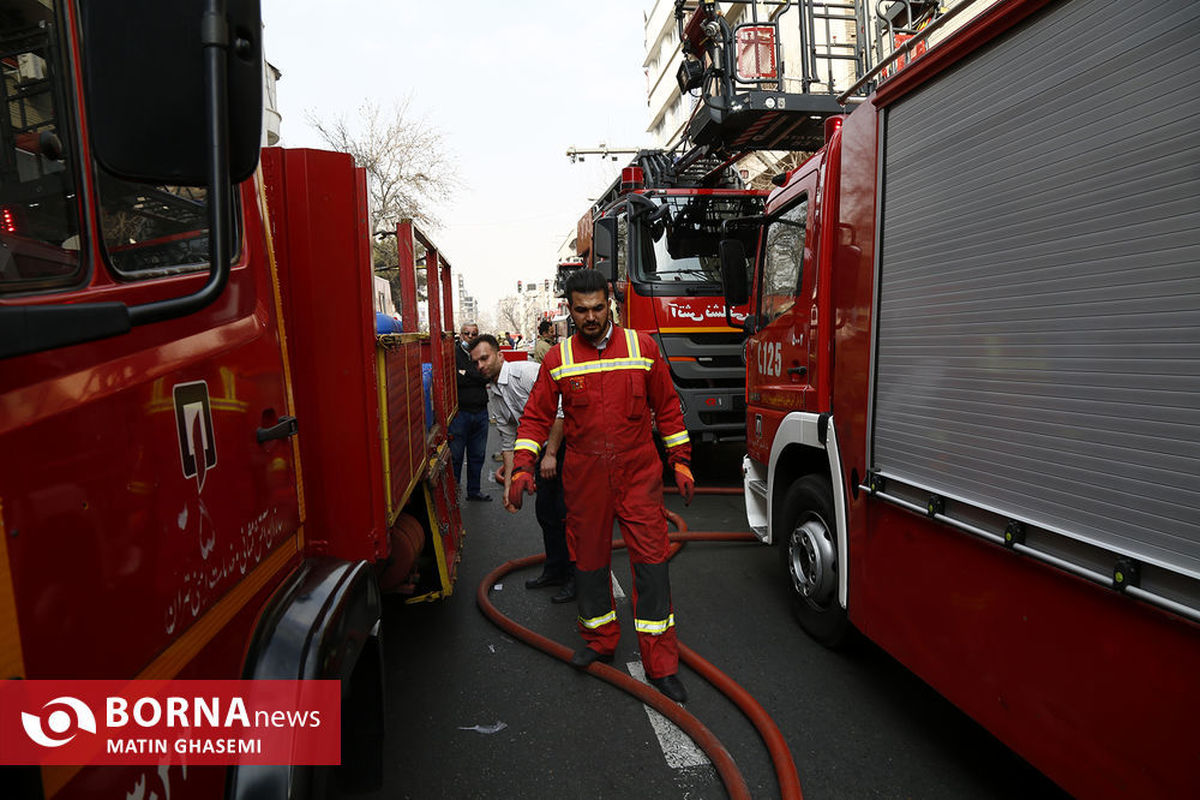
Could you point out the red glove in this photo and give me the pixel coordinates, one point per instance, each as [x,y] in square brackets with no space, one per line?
[522,484]
[685,482]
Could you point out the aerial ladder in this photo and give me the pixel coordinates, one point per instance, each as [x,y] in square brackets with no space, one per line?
[766,75]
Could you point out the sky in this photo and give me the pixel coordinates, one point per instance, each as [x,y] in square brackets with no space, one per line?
[510,85]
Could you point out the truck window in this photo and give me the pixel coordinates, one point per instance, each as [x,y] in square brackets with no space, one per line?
[39,210]
[682,246]
[153,230]
[782,260]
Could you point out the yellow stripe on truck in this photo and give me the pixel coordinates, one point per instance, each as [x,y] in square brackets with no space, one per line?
[12,662]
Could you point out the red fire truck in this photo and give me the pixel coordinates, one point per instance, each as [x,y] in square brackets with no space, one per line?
[973,376]
[212,465]
[664,222]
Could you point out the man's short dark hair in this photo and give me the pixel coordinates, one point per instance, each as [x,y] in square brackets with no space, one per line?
[585,281]
[483,337]
[544,326]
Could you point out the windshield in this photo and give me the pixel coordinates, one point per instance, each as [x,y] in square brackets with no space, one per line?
[39,218]
[680,244]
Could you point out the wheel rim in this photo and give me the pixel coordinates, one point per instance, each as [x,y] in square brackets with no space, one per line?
[812,561]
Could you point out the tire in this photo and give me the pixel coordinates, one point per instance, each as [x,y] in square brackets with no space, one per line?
[808,551]
[361,769]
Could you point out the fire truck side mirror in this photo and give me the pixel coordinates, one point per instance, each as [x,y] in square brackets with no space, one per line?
[144,65]
[734,273]
[604,237]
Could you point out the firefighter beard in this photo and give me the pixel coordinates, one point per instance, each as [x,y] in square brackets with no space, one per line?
[612,472]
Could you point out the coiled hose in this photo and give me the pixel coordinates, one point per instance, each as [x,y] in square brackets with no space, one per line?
[731,777]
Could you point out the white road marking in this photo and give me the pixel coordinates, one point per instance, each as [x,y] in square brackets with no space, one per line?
[678,749]
[618,592]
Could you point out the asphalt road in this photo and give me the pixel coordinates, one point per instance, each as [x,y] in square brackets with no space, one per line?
[473,713]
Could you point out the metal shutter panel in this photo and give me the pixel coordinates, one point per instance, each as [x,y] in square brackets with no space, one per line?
[1039,285]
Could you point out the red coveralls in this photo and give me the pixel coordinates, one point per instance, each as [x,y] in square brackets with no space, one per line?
[611,470]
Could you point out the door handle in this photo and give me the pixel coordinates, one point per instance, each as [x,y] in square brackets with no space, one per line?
[283,429]
[801,371]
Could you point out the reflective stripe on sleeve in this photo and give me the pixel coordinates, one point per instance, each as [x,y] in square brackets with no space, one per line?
[676,439]
[653,627]
[528,444]
[596,622]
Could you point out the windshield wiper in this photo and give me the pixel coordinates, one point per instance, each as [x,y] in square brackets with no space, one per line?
[687,271]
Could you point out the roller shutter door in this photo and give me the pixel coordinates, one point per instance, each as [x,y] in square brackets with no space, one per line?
[1038,347]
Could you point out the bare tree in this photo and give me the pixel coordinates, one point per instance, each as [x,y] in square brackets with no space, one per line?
[407,163]
[408,170]
[509,313]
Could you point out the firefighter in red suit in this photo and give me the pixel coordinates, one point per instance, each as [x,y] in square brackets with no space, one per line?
[612,381]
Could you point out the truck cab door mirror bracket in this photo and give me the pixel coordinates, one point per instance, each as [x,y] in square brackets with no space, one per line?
[734,277]
[604,243]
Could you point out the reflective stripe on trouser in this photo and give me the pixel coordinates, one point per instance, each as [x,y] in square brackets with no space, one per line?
[625,487]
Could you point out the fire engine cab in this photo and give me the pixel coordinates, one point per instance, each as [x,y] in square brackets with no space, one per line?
[213,466]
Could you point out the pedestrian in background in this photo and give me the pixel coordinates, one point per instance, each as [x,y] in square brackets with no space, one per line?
[610,381]
[509,385]
[546,340]
[469,428]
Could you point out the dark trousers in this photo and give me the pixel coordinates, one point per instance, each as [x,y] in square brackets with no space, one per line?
[551,512]
[468,435]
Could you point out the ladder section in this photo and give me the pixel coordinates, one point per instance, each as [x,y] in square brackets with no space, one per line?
[833,56]
[766,74]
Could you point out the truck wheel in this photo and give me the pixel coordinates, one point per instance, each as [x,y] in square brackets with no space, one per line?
[808,547]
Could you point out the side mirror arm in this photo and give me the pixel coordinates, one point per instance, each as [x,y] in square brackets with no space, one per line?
[730,321]
[214,34]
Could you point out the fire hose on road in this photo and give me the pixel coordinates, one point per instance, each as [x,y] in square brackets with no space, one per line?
[735,784]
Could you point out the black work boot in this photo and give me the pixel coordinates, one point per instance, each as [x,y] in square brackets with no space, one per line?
[671,686]
[545,580]
[567,593]
[584,657]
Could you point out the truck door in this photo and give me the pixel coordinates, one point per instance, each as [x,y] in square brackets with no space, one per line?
[779,369]
[136,490]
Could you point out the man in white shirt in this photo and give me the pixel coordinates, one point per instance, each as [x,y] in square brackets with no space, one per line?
[509,385]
